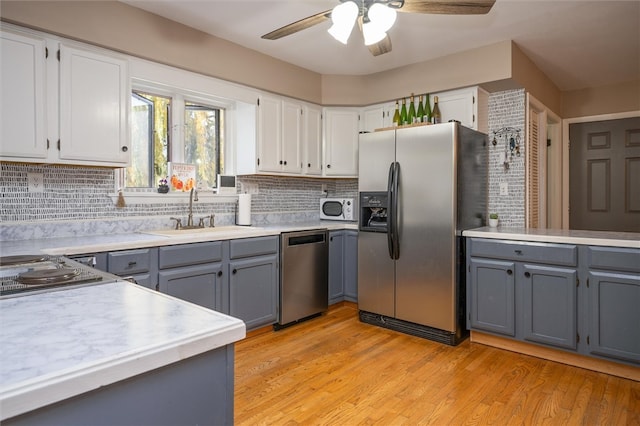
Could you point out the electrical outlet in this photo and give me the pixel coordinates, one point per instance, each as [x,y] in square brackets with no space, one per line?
[249,188]
[35,182]
[504,188]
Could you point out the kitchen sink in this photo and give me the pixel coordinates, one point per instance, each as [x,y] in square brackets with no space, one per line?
[230,230]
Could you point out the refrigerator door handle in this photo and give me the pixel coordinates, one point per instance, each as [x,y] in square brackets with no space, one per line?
[394,208]
[390,243]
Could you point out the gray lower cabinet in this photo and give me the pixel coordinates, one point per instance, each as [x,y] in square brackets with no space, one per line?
[253,280]
[549,305]
[524,290]
[492,297]
[343,266]
[195,273]
[139,264]
[614,303]
[582,299]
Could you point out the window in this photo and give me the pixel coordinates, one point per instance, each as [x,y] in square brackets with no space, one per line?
[172,128]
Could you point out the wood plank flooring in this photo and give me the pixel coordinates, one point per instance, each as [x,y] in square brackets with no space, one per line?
[335,370]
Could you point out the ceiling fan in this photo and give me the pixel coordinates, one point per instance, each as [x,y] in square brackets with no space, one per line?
[382,13]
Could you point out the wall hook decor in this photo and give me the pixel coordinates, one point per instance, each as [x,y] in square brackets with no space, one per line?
[511,137]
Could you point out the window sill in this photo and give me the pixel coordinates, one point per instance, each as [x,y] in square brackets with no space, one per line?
[172,197]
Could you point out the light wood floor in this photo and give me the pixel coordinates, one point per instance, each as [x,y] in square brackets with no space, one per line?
[335,370]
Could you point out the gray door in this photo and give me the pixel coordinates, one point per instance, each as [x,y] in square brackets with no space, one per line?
[604,167]
[425,270]
[492,295]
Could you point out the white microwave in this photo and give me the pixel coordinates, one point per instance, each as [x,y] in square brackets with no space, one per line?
[338,209]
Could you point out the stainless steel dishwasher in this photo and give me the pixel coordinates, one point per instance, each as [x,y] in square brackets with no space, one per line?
[304,287]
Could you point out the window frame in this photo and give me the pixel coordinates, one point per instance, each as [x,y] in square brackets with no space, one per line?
[179,97]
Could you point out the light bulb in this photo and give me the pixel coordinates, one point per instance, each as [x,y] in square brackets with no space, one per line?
[382,17]
[343,17]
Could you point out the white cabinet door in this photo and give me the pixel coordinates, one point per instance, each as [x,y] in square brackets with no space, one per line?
[372,117]
[312,140]
[291,137]
[94,106]
[22,97]
[269,133]
[468,106]
[341,142]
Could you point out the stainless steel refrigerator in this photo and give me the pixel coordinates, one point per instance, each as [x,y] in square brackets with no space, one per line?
[419,187]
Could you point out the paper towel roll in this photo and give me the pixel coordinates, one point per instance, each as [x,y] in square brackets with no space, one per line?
[244,209]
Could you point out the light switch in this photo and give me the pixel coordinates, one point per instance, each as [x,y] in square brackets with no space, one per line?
[35,182]
[504,188]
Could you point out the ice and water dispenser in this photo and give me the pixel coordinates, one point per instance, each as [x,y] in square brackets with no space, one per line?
[373,211]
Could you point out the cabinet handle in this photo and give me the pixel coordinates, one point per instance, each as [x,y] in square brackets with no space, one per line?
[527,274]
[219,273]
[125,149]
[509,272]
[519,252]
[330,238]
[133,263]
[235,271]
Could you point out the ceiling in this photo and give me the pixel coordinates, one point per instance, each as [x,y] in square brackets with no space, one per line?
[577,44]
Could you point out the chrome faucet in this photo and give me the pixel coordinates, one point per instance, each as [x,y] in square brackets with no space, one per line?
[190,217]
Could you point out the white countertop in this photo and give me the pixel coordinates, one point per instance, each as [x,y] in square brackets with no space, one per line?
[59,344]
[103,243]
[593,238]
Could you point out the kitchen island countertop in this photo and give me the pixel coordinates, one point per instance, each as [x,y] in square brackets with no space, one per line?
[59,344]
[563,236]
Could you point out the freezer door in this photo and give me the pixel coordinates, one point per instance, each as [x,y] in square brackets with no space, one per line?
[376,152]
[425,271]
[376,292]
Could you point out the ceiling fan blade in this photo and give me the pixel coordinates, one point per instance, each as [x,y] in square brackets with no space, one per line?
[381,47]
[300,25]
[466,7]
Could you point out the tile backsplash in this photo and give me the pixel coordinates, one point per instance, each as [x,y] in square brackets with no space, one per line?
[76,198]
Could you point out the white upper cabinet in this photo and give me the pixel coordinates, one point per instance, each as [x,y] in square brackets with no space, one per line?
[341,142]
[22,97]
[377,116]
[279,135]
[94,101]
[291,137]
[62,104]
[269,133]
[312,141]
[469,106]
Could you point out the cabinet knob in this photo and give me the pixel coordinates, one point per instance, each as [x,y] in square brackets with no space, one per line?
[285,163]
[527,274]
[309,165]
[219,273]
[280,161]
[509,272]
[125,149]
[235,271]
[328,166]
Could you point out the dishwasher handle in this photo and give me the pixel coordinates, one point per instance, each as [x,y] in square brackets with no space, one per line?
[306,239]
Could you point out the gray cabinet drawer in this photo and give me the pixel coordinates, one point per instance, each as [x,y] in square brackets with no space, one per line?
[554,254]
[190,254]
[130,261]
[248,247]
[614,258]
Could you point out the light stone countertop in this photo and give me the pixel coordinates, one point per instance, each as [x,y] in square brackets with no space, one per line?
[58,344]
[104,243]
[593,238]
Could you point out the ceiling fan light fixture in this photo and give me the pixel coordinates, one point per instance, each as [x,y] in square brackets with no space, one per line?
[371,34]
[382,16]
[344,18]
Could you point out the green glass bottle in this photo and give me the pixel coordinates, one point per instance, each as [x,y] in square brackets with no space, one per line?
[420,113]
[411,115]
[396,115]
[437,118]
[427,109]
[403,113]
